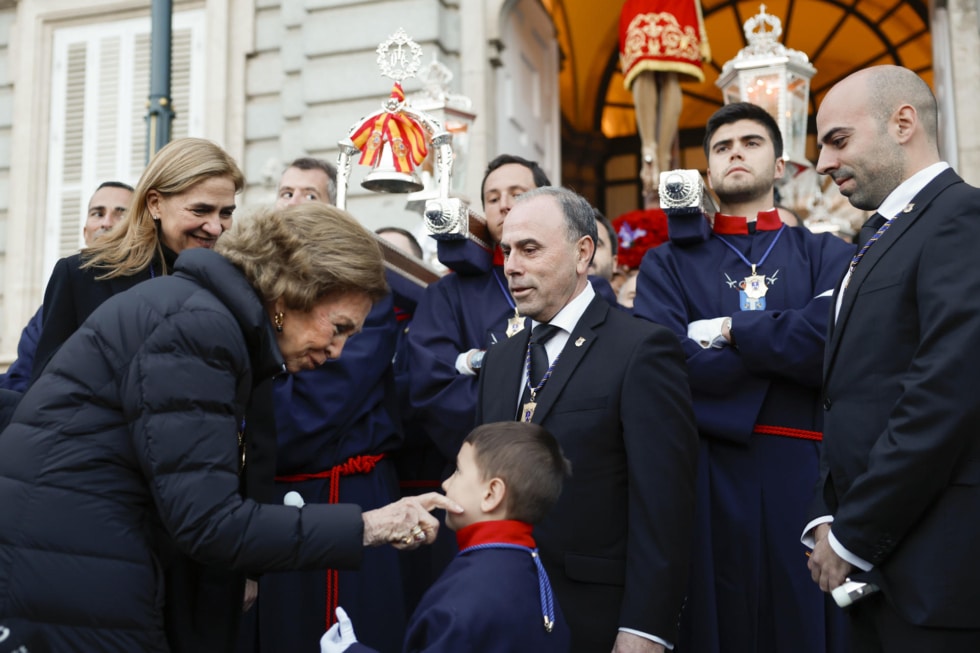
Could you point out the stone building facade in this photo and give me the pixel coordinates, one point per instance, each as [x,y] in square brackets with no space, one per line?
[274,79]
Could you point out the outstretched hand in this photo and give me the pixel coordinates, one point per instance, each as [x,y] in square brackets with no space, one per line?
[406,523]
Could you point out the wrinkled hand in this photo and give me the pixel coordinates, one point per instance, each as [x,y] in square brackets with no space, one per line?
[630,643]
[340,636]
[827,569]
[251,593]
[406,524]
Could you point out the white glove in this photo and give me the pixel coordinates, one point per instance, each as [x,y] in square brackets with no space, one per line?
[340,636]
[293,498]
[707,333]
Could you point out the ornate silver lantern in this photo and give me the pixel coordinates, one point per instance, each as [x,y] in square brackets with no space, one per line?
[774,77]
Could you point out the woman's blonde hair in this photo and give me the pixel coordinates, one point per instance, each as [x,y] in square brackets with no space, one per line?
[134,243]
[304,253]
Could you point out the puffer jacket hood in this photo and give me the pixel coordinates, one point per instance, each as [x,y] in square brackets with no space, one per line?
[216,274]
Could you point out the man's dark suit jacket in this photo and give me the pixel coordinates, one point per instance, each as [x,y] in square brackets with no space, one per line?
[617,544]
[901,449]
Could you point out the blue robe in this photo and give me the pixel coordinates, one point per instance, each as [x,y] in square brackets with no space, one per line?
[750,586]
[18,375]
[488,601]
[420,468]
[456,314]
[342,409]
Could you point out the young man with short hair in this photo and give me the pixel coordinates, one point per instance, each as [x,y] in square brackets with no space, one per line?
[750,307]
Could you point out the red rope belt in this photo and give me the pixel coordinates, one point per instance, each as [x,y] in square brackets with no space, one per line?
[354,465]
[788,432]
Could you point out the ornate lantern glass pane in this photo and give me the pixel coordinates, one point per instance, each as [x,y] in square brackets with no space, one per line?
[763,87]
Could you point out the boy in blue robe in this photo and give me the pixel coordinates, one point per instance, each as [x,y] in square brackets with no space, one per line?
[750,305]
[495,596]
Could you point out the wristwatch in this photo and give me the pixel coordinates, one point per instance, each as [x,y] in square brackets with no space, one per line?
[476,360]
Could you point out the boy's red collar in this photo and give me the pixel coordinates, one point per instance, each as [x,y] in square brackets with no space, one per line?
[500,531]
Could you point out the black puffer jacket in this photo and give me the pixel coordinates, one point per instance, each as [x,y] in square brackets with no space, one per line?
[121,468]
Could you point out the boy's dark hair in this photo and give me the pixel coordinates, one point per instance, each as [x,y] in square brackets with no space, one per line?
[540,178]
[528,459]
[743,111]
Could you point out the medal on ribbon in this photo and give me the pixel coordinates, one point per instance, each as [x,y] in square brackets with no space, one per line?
[515,324]
[752,292]
[527,411]
[753,288]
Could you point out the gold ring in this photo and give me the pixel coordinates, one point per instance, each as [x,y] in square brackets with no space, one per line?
[418,533]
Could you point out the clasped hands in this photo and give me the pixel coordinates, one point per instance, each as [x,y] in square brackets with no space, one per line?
[406,523]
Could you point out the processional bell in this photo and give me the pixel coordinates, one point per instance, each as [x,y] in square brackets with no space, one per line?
[395,142]
[392,141]
[386,178]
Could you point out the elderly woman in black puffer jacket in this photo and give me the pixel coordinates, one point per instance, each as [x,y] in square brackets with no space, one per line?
[122,522]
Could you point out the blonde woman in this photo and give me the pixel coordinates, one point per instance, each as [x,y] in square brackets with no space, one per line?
[184,199]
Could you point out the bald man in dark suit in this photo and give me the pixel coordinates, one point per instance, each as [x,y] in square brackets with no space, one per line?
[899,497]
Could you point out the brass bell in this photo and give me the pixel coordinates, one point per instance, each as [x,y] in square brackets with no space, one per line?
[385,178]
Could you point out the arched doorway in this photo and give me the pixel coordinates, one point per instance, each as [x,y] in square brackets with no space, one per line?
[600,148]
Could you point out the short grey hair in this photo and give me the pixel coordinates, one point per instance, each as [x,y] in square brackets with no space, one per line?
[579,216]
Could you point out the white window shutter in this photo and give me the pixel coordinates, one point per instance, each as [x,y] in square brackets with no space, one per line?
[140,77]
[100,85]
[72,155]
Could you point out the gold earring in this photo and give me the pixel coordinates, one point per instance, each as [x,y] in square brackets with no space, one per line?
[277,320]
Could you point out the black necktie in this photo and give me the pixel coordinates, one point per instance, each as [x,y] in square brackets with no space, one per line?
[539,356]
[538,363]
[869,228]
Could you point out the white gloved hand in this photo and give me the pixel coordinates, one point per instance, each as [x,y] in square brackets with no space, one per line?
[340,636]
[293,498]
[707,333]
